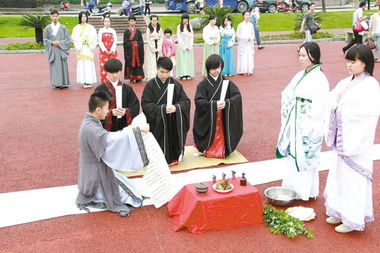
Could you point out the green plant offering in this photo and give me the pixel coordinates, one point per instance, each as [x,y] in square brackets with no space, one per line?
[279,222]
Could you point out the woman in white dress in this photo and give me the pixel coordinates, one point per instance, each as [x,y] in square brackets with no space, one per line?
[352,128]
[154,37]
[85,39]
[211,37]
[304,111]
[245,35]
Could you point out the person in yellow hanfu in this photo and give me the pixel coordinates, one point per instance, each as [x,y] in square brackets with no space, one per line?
[85,37]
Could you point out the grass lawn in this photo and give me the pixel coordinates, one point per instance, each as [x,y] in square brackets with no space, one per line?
[9,26]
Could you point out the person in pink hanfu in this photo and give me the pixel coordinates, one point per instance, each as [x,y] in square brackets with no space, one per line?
[168,47]
[245,35]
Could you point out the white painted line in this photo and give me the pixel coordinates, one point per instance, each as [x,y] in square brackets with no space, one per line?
[34,205]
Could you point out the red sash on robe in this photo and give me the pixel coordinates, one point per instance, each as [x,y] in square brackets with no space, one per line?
[135,50]
[217,148]
[112,105]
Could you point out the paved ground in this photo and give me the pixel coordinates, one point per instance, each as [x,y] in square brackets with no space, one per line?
[120,37]
[43,123]
[39,128]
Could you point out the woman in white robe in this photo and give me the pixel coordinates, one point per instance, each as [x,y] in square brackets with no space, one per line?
[304,111]
[211,37]
[154,37]
[245,35]
[353,121]
[85,39]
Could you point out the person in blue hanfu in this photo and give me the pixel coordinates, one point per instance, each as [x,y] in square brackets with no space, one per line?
[226,50]
[304,109]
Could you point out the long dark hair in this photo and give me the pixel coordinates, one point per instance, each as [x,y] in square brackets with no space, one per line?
[224,19]
[151,28]
[185,16]
[80,16]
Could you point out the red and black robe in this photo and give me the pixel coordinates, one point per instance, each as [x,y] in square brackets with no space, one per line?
[170,130]
[130,103]
[216,131]
[133,44]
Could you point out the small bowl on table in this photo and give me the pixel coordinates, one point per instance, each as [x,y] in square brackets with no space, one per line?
[279,196]
[201,189]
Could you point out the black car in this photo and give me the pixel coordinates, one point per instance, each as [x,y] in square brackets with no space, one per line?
[266,5]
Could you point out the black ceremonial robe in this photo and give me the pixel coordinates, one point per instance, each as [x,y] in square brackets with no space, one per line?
[206,96]
[130,103]
[133,44]
[170,130]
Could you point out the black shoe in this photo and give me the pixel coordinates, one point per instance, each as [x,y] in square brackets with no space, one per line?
[261,47]
[344,51]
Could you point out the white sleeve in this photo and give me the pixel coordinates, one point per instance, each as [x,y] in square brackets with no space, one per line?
[114,45]
[206,36]
[122,151]
[93,41]
[77,40]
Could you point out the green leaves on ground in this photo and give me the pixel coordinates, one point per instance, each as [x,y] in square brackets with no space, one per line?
[279,222]
[295,36]
[24,46]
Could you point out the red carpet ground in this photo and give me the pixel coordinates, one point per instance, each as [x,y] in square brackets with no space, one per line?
[39,129]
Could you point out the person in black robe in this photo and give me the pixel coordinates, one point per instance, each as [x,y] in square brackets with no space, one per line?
[118,117]
[133,44]
[218,124]
[168,123]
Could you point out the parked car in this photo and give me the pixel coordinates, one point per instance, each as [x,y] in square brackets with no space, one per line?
[271,5]
[300,5]
[266,5]
[190,6]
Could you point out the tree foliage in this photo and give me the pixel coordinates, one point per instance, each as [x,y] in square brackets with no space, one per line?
[35,21]
[38,22]
[218,12]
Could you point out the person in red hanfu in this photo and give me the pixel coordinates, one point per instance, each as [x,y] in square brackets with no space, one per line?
[133,52]
[218,119]
[124,104]
[107,40]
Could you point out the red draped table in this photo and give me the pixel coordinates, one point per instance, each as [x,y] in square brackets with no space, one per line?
[240,207]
